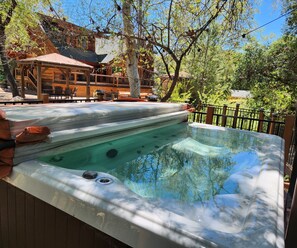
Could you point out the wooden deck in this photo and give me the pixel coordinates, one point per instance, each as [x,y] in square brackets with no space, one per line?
[110,84]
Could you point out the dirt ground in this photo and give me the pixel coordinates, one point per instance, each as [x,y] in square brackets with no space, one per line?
[5,95]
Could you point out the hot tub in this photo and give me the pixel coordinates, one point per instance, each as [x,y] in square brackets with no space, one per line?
[163,184]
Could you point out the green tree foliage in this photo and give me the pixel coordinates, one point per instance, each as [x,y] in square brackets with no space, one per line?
[250,69]
[173,28]
[269,72]
[181,93]
[16,17]
[291,6]
[211,66]
[270,95]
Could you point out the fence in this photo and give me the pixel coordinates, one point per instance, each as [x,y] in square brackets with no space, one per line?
[25,102]
[252,120]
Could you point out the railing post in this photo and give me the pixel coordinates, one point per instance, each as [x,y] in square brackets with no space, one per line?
[224,118]
[261,118]
[23,81]
[45,98]
[209,114]
[198,108]
[288,133]
[272,123]
[272,112]
[235,115]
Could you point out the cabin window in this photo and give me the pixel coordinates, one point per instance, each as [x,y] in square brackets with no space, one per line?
[81,77]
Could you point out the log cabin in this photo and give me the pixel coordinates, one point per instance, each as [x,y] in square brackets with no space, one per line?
[57,39]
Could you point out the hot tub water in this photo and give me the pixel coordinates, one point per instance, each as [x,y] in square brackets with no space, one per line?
[181,168]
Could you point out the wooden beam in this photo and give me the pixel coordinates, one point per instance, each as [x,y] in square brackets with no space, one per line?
[67,77]
[22,81]
[75,78]
[87,73]
[235,115]
[288,133]
[39,82]
[261,118]
[209,115]
[224,117]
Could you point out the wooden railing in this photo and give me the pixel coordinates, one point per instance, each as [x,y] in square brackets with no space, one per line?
[63,100]
[249,119]
[98,79]
[31,79]
[79,77]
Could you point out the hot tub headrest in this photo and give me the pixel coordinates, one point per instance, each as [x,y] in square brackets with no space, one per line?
[33,134]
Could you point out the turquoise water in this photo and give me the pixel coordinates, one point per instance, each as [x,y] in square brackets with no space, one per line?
[178,162]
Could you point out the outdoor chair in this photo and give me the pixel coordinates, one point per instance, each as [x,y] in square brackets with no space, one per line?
[68,93]
[58,91]
[74,91]
[47,89]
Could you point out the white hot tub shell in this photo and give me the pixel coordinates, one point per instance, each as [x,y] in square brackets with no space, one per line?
[114,209]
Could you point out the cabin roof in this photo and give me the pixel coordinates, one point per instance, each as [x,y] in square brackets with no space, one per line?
[82,55]
[57,60]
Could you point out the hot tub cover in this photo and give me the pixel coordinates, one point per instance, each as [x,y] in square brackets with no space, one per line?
[71,123]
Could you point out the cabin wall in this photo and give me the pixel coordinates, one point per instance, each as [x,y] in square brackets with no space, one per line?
[28,222]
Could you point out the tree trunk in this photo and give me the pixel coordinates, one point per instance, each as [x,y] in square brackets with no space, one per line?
[174,82]
[7,73]
[131,55]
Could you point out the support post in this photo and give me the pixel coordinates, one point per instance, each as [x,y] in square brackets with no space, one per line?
[261,118]
[87,73]
[224,117]
[75,77]
[39,82]
[235,115]
[288,133]
[209,115]
[67,77]
[290,235]
[23,81]
[272,123]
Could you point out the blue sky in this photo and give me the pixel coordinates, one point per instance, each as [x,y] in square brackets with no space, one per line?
[268,11]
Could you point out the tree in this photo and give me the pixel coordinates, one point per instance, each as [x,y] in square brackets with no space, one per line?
[291,21]
[211,66]
[251,66]
[184,27]
[269,72]
[16,17]
[131,50]
[173,27]
[5,18]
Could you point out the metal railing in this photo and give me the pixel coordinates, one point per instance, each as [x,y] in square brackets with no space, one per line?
[251,120]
